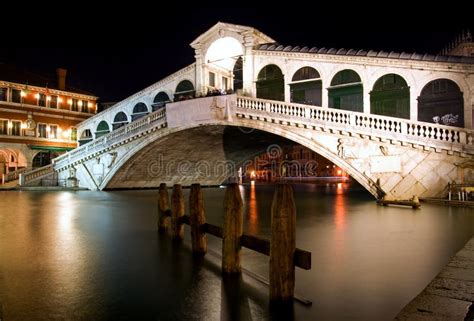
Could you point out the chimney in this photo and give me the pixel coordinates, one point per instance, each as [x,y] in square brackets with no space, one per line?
[61,78]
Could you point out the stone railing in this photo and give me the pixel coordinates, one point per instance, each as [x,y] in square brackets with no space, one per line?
[421,133]
[36,174]
[156,87]
[154,119]
[13,175]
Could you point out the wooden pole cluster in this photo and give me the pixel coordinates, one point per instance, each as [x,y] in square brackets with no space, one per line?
[284,255]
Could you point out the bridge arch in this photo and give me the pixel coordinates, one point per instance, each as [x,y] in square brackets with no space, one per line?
[390,96]
[102,129]
[306,87]
[346,91]
[160,100]
[139,110]
[223,52]
[85,136]
[441,101]
[271,83]
[165,134]
[120,119]
[184,90]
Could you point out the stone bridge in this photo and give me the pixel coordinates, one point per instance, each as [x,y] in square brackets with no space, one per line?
[207,139]
[399,123]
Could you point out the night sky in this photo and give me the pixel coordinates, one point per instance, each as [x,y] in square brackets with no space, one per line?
[114,60]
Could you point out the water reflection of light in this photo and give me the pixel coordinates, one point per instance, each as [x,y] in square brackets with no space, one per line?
[68,247]
[253,211]
[340,209]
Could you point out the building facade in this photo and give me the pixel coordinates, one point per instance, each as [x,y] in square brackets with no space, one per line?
[38,118]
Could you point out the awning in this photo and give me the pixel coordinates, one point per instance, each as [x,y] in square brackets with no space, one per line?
[51,148]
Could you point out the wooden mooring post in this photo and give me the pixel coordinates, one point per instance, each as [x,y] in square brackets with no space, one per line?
[197,219]
[283,244]
[233,229]
[177,211]
[163,208]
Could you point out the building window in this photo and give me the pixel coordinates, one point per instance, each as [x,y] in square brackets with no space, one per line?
[42,130]
[53,131]
[212,79]
[16,95]
[53,102]
[3,127]
[84,107]
[3,94]
[16,128]
[42,100]
[225,83]
[73,134]
[75,105]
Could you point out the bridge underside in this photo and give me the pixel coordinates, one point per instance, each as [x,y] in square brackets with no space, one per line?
[208,155]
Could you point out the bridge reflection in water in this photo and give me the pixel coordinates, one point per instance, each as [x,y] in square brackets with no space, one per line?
[98,256]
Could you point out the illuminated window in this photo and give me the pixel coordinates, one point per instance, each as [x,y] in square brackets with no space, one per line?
[16,95]
[42,100]
[53,131]
[3,94]
[53,103]
[3,127]
[73,133]
[42,131]
[75,105]
[16,128]
[84,107]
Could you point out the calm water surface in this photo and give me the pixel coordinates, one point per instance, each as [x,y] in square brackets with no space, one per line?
[97,256]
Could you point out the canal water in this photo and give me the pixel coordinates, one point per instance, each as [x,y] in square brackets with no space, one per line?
[97,256]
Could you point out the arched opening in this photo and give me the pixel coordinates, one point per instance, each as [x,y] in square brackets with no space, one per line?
[346,91]
[119,120]
[223,53]
[86,137]
[306,87]
[220,59]
[184,90]
[160,100]
[102,129]
[3,163]
[238,75]
[271,83]
[139,111]
[390,97]
[43,158]
[441,102]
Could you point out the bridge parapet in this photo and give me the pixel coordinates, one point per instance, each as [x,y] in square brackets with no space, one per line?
[435,136]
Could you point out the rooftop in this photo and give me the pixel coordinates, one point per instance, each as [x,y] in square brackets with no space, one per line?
[17,75]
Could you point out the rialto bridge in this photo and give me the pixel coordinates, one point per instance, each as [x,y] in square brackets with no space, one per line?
[400,124]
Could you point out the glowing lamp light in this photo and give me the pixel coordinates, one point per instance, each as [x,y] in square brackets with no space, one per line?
[89,104]
[48,129]
[66,133]
[10,125]
[60,100]
[79,103]
[48,98]
[339,172]
[22,94]
[23,126]
[37,96]
[69,101]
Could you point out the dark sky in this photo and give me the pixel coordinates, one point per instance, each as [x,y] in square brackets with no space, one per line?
[116,58]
